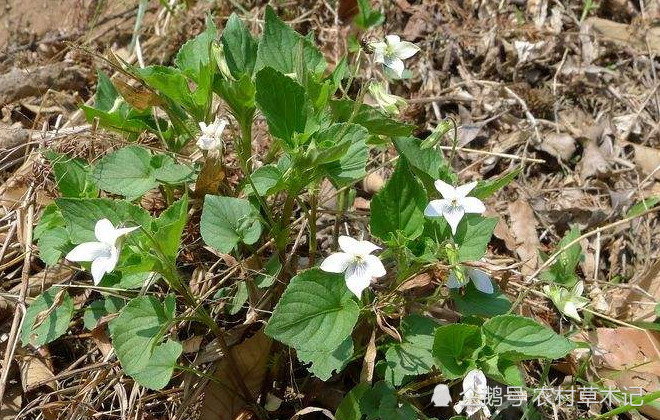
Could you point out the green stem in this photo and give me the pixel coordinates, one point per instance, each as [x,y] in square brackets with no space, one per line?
[171,275]
[245,145]
[312,227]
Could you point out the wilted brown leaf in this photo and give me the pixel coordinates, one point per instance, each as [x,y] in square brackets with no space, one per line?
[638,303]
[210,178]
[523,226]
[138,97]
[34,371]
[593,163]
[559,145]
[369,362]
[629,35]
[627,358]
[648,160]
[251,358]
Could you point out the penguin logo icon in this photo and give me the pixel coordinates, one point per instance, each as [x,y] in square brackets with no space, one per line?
[441,397]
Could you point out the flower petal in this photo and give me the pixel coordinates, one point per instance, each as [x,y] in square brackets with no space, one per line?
[357,278]
[578,289]
[103,265]
[453,215]
[104,231]
[481,280]
[379,51]
[476,380]
[88,251]
[396,64]
[570,311]
[375,266]
[459,406]
[472,205]
[202,126]
[406,49]
[125,231]
[337,262]
[448,192]
[367,247]
[206,142]
[464,190]
[349,245]
[452,282]
[435,208]
[219,127]
[393,40]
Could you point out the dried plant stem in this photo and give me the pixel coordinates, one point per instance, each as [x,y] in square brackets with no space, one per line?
[19,312]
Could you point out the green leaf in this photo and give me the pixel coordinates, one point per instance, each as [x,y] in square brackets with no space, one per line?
[399,206]
[370,118]
[473,302]
[570,258]
[50,218]
[226,221]
[473,235]
[283,102]
[54,324]
[137,335]
[167,171]
[427,163]
[454,347]
[239,95]
[279,45]
[367,17]
[414,355]
[235,305]
[267,180]
[381,402]
[100,308]
[194,57]
[502,370]
[81,216]
[239,46]
[169,227]
[351,165]
[134,280]
[173,84]
[325,362]
[72,176]
[106,93]
[331,144]
[642,206]
[520,338]
[52,244]
[158,369]
[316,312]
[349,407]
[127,172]
[485,189]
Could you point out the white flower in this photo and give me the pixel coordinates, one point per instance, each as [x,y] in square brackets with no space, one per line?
[103,254]
[475,394]
[480,279]
[567,301]
[390,104]
[356,262]
[454,204]
[211,137]
[392,52]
